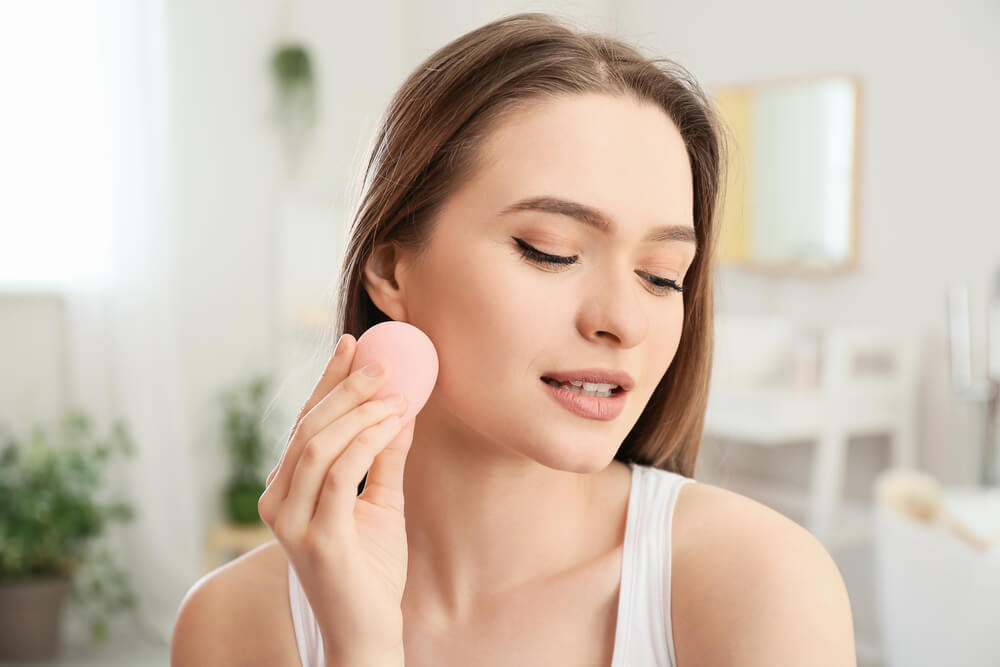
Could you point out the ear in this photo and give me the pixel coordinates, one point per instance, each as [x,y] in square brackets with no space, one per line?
[382,272]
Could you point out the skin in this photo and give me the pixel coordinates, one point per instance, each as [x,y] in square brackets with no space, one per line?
[477,475]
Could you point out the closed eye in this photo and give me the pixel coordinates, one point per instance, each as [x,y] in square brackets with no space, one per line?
[533,254]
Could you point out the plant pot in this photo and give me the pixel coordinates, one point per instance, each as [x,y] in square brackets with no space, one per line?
[31,617]
[241,501]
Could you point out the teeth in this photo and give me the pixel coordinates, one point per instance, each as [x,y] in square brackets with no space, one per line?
[594,386]
[603,393]
[586,388]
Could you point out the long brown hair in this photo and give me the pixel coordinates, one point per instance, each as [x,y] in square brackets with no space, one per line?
[427,144]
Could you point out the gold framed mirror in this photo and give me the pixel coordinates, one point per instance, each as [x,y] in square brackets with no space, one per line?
[792,183]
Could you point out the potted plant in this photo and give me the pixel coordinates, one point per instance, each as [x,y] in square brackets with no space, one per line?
[245,439]
[51,522]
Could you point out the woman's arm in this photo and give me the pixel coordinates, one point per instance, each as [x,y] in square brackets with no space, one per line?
[753,588]
[230,619]
[238,615]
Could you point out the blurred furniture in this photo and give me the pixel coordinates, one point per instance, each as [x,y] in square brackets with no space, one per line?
[864,381]
[937,574]
[792,177]
[227,541]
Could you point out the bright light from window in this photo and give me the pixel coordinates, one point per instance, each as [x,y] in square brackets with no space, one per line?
[57,132]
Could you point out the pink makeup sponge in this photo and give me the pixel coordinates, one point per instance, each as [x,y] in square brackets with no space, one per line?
[412,361]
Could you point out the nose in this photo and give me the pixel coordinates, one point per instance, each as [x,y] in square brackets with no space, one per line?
[613,312]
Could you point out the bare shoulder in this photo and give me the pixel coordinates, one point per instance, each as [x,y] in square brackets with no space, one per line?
[238,614]
[752,587]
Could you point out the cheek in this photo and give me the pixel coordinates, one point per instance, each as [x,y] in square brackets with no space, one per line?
[483,316]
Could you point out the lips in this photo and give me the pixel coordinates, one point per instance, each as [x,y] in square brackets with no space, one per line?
[603,408]
[593,375]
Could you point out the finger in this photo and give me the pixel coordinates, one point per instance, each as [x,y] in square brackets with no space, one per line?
[336,369]
[338,496]
[318,455]
[354,390]
[345,397]
[384,486]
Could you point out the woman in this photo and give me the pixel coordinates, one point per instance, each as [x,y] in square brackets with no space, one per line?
[540,202]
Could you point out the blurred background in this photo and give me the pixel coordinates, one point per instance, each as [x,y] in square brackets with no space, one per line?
[178,178]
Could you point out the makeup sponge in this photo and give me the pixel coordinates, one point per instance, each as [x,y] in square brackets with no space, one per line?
[412,361]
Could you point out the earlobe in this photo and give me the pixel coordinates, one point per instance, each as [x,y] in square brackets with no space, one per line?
[380,279]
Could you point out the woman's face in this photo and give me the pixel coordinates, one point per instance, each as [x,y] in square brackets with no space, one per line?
[500,321]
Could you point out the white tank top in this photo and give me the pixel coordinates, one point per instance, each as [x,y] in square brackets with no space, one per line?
[643,633]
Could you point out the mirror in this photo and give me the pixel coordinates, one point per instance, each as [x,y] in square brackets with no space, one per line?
[791,191]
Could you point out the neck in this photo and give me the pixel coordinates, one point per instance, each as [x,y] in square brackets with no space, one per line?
[483,521]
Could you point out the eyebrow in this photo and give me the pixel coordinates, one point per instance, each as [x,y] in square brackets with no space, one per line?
[599,220]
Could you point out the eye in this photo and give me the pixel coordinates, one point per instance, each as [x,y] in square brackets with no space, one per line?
[535,255]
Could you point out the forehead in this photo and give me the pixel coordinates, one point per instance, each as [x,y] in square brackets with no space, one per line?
[615,153]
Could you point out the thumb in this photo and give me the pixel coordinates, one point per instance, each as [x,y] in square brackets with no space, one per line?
[384,485]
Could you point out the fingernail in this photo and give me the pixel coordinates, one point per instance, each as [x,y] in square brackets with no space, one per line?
[394,401]
[372,370]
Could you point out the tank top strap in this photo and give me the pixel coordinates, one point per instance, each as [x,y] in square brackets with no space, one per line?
[307,633]
[643,632]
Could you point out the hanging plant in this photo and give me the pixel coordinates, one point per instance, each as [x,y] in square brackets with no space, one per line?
[292,69]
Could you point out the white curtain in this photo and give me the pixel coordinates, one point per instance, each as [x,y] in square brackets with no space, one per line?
[95,161]
[139,312]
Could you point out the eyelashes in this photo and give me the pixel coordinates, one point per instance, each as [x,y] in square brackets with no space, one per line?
[532,254]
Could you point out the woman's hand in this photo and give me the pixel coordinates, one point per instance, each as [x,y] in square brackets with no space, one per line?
[349,551]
